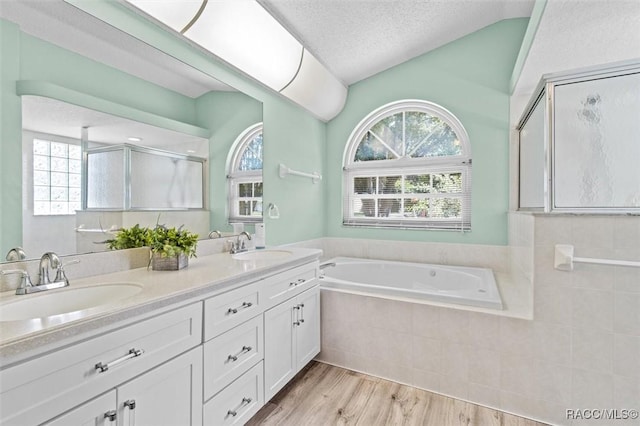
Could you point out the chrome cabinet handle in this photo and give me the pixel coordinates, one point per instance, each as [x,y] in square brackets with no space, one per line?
[130,404]
[111,415]
[302,312]
[297,321]
[295,283]
[133,353]
[243,306]
[234,412]
[244,350]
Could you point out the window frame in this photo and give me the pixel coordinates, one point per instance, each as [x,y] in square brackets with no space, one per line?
[236,177]
[404,166]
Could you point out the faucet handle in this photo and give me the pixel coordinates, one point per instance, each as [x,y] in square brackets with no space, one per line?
[60,275]
[24,282]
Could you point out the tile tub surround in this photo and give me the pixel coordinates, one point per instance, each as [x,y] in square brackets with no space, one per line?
[581,350]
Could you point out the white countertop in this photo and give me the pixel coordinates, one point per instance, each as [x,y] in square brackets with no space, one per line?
[161,290]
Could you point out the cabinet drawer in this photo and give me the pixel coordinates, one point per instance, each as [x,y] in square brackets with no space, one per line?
[283,286]
[229,355]
[223,312]
[238,402]
[39,389]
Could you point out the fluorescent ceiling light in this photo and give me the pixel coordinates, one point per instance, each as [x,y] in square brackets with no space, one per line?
[176,14]
[244,34]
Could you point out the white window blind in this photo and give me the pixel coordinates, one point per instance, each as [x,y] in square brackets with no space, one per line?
[408,165]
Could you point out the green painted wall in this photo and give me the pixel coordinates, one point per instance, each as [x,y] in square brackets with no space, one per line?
[226,114]
[10,140]
[470,77]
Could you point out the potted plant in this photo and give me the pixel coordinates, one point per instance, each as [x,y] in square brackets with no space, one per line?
[130,238]
[171,248]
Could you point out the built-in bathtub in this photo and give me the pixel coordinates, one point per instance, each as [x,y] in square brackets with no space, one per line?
[439,283]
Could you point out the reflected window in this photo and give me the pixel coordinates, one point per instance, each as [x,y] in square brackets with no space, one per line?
[245,176]
[408,165]
[56,178]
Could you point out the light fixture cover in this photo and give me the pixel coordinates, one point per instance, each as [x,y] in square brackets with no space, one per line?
[176,14]
[316,89]
[242,33]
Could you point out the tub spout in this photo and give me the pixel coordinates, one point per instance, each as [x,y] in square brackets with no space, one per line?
[327,265]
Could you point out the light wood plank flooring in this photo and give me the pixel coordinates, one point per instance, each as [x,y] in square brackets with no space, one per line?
[322,394]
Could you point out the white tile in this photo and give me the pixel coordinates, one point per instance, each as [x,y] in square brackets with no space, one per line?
[591,389]
[553,304]
[484,330]
[389,314]
[427,354]
[426,380]
[454,325]
[596,277]
[484,395]
[516,336]
[552,343]
[627,313]
[543,271]
[553,383]
[592,350]
[592,309]
[627,279]
[454,387]
[517,375]
[550,231]
[517,404]
[455,360]
[626,392]
[484,367]
[390,346]
[626,355]
[426,320]
[592,233]
[626,232]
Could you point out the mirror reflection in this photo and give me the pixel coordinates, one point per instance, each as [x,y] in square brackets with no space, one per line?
[88,171]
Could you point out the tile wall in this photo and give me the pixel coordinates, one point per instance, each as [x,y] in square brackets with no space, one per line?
[581,351]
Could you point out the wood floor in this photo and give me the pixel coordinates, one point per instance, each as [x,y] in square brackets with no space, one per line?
[322,394]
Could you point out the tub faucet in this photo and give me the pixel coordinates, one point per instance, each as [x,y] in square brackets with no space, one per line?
[327,265]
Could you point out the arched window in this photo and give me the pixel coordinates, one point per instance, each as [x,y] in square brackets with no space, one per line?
[245,176]
[408,165]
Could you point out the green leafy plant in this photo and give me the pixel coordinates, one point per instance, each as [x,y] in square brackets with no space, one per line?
[130,238]
[169,242]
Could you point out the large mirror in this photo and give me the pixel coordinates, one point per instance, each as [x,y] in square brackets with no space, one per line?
[121,134]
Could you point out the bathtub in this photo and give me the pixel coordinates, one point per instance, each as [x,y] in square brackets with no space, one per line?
[449,284]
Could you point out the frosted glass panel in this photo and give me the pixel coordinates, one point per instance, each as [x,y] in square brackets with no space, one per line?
[105,180]
[597,143]
[165,182]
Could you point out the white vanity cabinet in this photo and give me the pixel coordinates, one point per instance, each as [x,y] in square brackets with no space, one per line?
[167,395]
[292,338]
[41,389]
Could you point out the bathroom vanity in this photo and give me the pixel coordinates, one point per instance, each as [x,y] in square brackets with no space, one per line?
[209,345]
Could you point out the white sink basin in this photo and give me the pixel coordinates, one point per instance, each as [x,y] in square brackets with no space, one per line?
[262,255]
[64,301]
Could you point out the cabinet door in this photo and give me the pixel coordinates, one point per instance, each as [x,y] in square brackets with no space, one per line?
[97,412]
[279,347]
[308,329]
[170,394]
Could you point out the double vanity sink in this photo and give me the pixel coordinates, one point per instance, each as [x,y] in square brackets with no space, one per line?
[24,317]
[215,341]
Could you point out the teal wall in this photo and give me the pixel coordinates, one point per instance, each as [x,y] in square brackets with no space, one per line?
[226,114]
[10,140]
[470,77]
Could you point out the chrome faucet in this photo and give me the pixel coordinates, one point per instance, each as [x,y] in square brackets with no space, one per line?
[215,234]
[239,245]
[16,253]
[48,260]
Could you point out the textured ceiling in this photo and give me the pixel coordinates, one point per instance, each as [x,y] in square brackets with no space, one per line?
[359,38]
[68,27]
